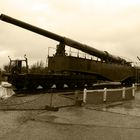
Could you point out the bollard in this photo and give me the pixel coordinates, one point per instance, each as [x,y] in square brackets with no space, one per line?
[133,90]
[105,94]
[85,96]
[123,93]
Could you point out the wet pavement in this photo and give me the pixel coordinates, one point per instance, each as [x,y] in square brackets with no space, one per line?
[112,121]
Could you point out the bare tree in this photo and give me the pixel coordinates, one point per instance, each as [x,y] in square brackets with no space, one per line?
[38,67]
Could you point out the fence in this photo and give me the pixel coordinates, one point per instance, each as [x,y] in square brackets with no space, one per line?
[107,95]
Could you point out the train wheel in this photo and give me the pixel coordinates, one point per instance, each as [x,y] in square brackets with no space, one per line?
[46,85]
[19,86]
[128,82]
[32,85]
[59,85]
[71,85]
[80,85]
[89,85]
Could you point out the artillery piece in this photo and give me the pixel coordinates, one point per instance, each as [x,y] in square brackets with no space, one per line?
[75,71]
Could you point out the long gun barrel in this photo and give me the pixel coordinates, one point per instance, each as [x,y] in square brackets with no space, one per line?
[85,48]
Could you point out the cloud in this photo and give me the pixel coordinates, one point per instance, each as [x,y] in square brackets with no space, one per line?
[111,25]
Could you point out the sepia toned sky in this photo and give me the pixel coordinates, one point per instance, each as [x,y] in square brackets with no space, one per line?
[107,25]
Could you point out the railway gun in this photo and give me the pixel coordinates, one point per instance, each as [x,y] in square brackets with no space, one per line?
[74,72]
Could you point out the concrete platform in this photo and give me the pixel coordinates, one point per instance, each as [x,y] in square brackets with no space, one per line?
[79,123]
[112,121]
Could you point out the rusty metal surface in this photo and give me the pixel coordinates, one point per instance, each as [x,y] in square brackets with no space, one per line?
[109,71]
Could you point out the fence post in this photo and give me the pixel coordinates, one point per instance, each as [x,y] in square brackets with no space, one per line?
[85,96]
[76,95]
[78,101]
[133,90]
[105,94]
[123,93]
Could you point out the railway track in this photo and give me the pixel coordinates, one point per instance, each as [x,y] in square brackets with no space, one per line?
[55,90]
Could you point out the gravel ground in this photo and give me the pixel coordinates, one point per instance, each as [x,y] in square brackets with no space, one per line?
[19,109]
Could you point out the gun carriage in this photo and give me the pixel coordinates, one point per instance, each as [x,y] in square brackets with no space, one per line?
[75,72]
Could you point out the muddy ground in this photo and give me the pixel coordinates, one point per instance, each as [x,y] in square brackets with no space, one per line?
[24,117]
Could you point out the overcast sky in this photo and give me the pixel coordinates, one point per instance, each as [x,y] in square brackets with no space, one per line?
[107,25]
